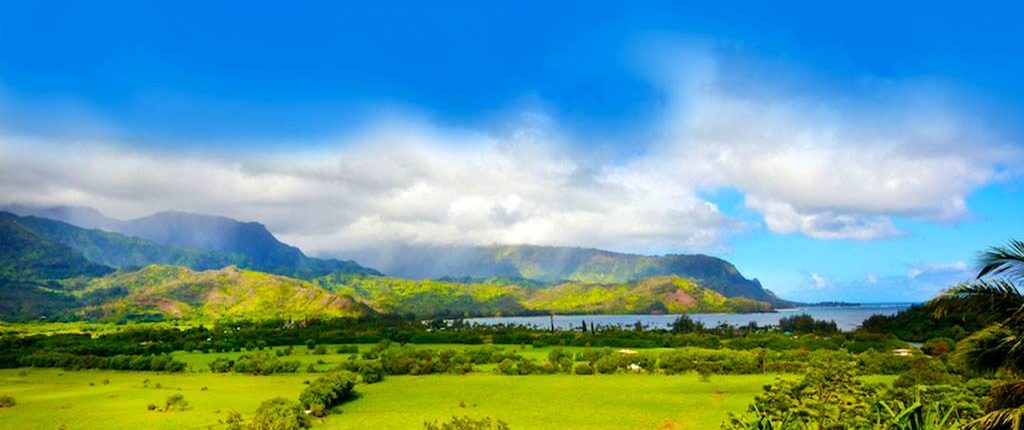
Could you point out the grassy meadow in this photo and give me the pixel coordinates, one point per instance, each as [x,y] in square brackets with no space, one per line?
[93,399]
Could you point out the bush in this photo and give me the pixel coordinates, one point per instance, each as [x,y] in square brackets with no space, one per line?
[279,413]
[926,371]
[607,364]
[584,369]
[175,402]
[262,363]
[467,423]
[348,349]
[938,346]
[7,401]
[222,365]
[328,391]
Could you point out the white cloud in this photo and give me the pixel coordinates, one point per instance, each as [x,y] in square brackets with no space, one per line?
[818,281]
[832,166]
[404,183]
[822,166]
[958,268]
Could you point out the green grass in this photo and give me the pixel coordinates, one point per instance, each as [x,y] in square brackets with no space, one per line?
[604,402]
[48,398]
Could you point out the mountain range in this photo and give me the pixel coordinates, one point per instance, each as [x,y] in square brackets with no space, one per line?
[550,264]
[181,265]
[192,240]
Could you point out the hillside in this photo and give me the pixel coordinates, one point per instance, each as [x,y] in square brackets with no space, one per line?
[429,297]
[176,292]
[32,269]
[663,294]
[666,294]
[197,241]
[556,264]
[28,256]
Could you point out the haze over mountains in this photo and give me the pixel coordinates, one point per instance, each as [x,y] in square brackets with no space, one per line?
[228,241]
[181,265]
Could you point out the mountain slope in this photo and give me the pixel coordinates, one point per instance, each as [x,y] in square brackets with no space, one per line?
[32,269]
[120,251]
[226,241]
[557,264]
[177,292]
[427,298]
[27,256]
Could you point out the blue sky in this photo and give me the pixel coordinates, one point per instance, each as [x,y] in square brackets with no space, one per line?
[861,151]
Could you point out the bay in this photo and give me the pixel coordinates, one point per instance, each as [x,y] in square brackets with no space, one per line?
[847,318]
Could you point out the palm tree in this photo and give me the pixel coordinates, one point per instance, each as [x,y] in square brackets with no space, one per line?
[996,297]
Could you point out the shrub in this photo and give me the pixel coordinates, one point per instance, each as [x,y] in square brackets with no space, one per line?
[938,346]
[222,365]
[279,413]
[175,402]
[584,369]
[607,364]
[328,391]
[7,401]
[926,371]
[348,349]
[151,407]
[467,423]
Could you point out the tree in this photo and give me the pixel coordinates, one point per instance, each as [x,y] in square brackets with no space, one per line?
[328,391]
[685,324]
[828,397]
[279,413]
[995,296]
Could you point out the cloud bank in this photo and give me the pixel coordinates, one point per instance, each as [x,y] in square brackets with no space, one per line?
[825,166]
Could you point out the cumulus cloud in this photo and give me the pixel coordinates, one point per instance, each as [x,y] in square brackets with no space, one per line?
[822,166]
[818,281]
[400,183]
[832,166]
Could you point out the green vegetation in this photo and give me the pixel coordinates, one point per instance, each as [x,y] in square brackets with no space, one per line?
[467,423]
[168,292]
[999,347]
[668,294]
[279,413]
[665,294]
[559,264]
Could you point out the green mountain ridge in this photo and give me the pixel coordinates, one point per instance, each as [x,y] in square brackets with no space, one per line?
[51,268]
[552,265]
[125,252]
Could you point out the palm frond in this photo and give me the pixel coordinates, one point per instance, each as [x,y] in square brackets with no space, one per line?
[1000,419]
[999,300]
[988,350]
[1007,395]
[1007,259]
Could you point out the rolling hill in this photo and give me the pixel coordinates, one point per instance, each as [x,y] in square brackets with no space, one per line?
[661,294]
[169,292]
[423,298]
[556,264]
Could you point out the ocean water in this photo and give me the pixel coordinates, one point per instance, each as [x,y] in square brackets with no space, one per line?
[846,317]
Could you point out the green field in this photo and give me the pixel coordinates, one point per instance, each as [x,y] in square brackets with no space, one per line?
[49,398]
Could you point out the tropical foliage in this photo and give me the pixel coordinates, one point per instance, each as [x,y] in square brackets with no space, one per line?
[996,296]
